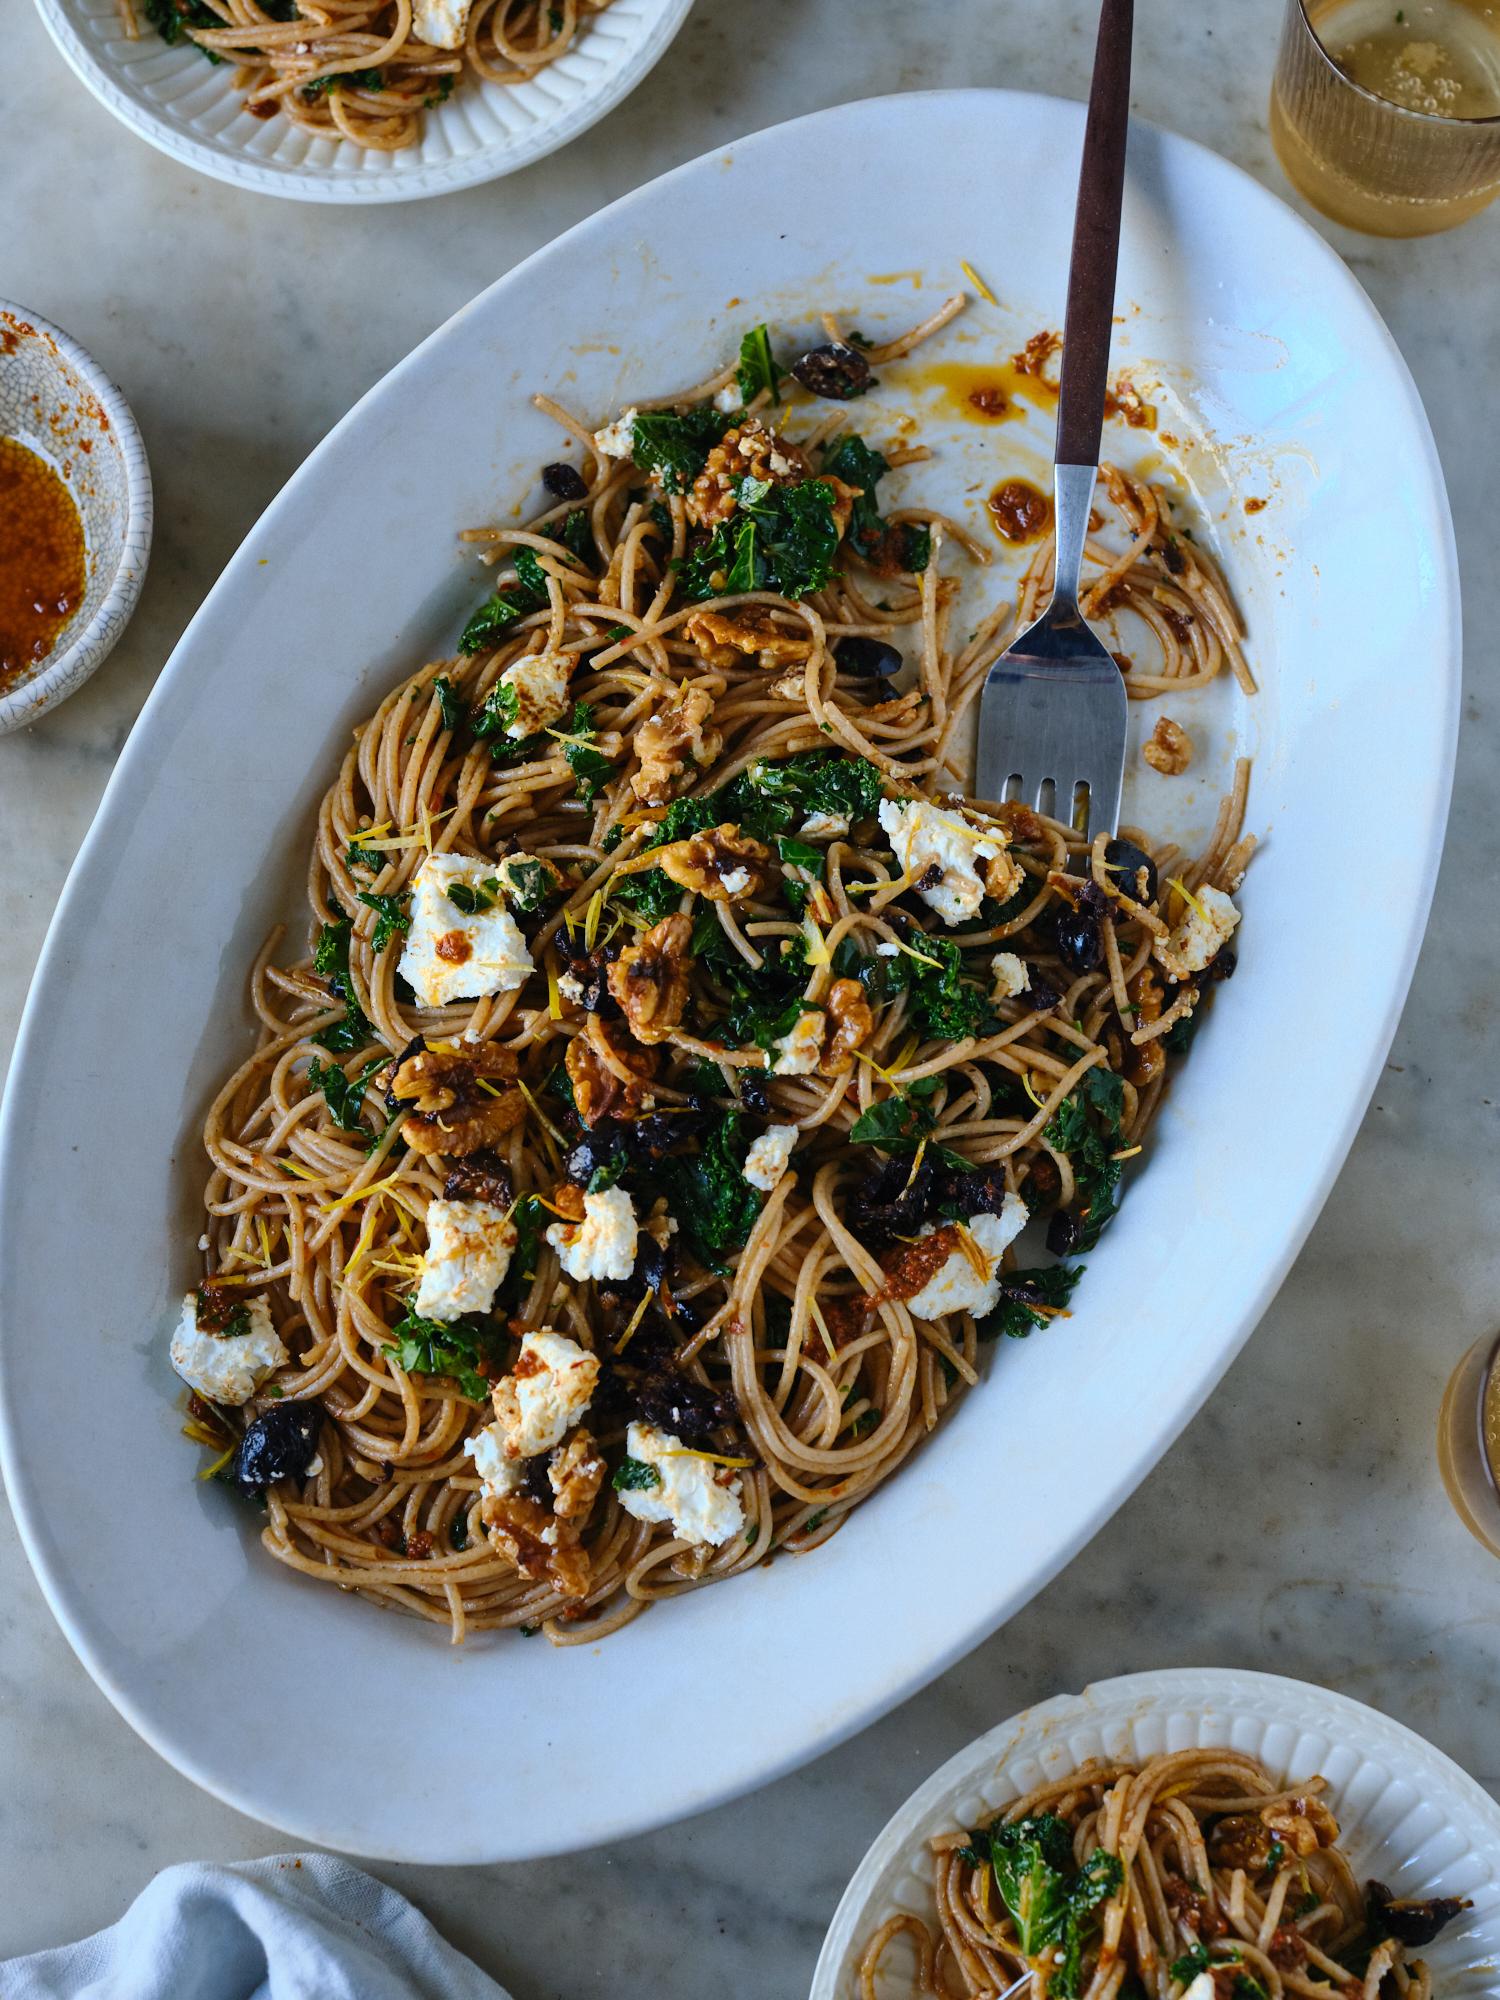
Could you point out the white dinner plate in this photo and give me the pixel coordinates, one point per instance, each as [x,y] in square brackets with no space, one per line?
[190,108]
[366,1731]
[1408,1816]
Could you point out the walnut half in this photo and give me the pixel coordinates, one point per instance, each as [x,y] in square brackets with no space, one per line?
[674,744]
[650,979]
[722,864]
[1169,749]
[609,1072]
[455,1103]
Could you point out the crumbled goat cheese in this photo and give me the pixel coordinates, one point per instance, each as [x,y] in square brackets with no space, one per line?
[617,440]
[694,1494]
[226,1369]
[797,1053]
[603,1244]
[824,826]
[1012,975]
[925,838]
[571,989]
[728,399]
[1200,936]
[540,681]
[957,1286]
[550,1390]
[500,1476]
[735,881]
[439,23]
[469,1246]
[767,1158]
[888,948]
[449,955]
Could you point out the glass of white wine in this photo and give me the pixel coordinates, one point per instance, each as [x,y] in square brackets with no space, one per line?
[1469,1441]
[1386,113]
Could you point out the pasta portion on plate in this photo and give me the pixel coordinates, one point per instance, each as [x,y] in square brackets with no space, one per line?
[1193,1876]
[367,70]
[633,1167]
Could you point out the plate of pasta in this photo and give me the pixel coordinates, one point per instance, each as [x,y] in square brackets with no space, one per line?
[630,1141]
[361,100]
[1195,1834]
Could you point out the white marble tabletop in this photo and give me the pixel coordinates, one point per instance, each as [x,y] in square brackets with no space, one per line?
[1299,1525]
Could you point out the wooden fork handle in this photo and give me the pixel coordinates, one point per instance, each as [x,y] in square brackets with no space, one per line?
[1096,244]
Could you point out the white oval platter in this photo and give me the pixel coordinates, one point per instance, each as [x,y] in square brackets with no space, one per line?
[1256,342]
[1407,1814]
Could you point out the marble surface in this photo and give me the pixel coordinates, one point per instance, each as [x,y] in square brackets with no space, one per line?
[1299,1525]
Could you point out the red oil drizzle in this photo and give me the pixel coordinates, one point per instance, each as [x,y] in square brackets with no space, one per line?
[43,568]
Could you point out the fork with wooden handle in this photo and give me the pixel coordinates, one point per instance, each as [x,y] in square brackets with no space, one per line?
[1052,713]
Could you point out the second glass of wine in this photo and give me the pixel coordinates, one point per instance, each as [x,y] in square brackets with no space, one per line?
[1387,115]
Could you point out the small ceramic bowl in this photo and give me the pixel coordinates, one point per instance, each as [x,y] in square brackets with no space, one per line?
[55,400]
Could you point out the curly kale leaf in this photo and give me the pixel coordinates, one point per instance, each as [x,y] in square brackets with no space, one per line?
[1087,1128]
[780,538]
[675,444]
[455,1348]
[525,593]
[344,1095]
[885,547]
[1030,1299]
[757,369]
[708,1193]
[391,918]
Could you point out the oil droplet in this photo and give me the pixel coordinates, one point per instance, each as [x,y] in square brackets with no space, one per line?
[43,576]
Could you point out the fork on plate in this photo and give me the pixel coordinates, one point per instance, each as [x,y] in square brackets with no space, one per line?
[1053,709]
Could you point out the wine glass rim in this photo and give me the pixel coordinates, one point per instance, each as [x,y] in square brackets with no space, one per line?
[1439,118]
[1487,1375]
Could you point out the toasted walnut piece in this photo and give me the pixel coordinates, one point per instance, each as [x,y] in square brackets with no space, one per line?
[1019,822]
[748,451]
[1303,1825]
[543,1547]
[722,636]
[722,864]
[567,1199]
[453,1102]
[650,979]
[1038,351]
[1241,1840]
[673,744]
[851,1024]
[1146,1059]
[609,1072]
[1169,748]
[844,498]
[1003,875]
[1287,1949]
[575,1473]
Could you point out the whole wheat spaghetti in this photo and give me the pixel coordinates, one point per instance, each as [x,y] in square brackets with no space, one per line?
[662,1252]
[1195,1873]
[367,70]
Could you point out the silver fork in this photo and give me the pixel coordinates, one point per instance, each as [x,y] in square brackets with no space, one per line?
[1052,712]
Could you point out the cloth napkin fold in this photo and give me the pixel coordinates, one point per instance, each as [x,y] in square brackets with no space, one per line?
[294,1927]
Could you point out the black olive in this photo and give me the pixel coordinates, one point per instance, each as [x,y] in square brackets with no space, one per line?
[865,659]
[1080,942]
[652,1137]
[1123,862]
[753,1092]
[599,1147]
[591,970]
[670,1401]
[535,1483]
[279,1445]
[1221,965]
[415,1047]
[483,1176]
[1041,994]
[891,1202]
[1092,898]
[1173,557]
[981,1192]
[838,372]
[563,482]
[1043,1181]
[1410,1922]
[650,1264]
[1063,1232]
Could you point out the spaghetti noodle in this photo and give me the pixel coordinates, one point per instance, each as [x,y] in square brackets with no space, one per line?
[1193,1874]
[668,1248]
